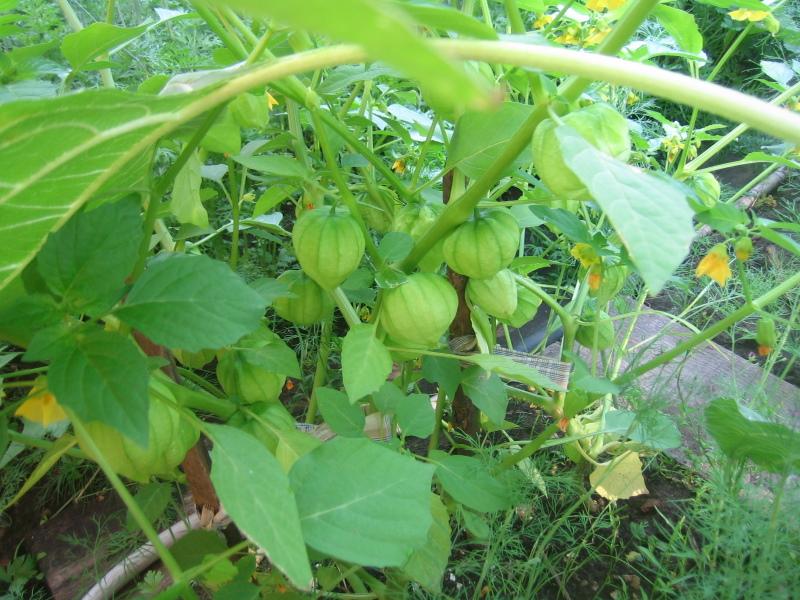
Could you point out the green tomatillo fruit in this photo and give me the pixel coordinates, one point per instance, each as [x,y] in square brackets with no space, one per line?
[416,219]
[497,295]
[418,312]
[484,245]
[329,245]
[706,188]
[241,371]
[597,332]
[527,305]
[169,439]
[310,304]
[600,125]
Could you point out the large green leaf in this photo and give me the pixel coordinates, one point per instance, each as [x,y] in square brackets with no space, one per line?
[481,137]
[468,480]
[385,32]
[651,216]
[57,153]
[101,376]
[87,44]
[366,363]
[487,392]
[415,415]
[681,26]
[192,303]
[743,434]
[426,566]
[256,494]
[344,418]
[363,503]
[87,260]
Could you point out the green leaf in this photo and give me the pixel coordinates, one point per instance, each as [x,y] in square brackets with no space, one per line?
[570,225]
[186,203]
[86,261]
[446,18]
[256,494]
[445,372]
[427,564]
[277,166]
[366,363]
[395,246]
[652,217]
[415,415]
[481,137]
[344,418]
[385,32]
[487,392]
[25,315]
[192,303]
[99,38]
[752,4]
[743,434]
[190,550]
[468,480]
[387,398]
[272,198]
[510,369]
[779,239]
[724,218]
[681,26]
[99,375]
[363,503]
[651,428]
[5,439]
[153,499]
[50,167]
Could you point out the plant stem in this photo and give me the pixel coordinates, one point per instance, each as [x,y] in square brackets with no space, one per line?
[718,327]
[24,372]
[33,442]
[236,209]
[233,43]
[347,310]
[133,507]
[528,449]
[568,321]
[734,133]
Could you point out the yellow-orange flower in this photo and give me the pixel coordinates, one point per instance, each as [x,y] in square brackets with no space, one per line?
[764,350]
[569,36]
[586,254]
[271,102]
[600,5]
[399,166]
[596,36]
[40,406]
[715,265]
[543,21]
[595,279]
[745,14]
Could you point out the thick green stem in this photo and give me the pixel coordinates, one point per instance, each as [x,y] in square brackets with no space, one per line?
[528,449]
[24,372]
[734,133]
[717,328]
[347,310]
[133,507]
[233,43]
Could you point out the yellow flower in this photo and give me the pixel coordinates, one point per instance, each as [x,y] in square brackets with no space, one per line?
[586,254]
[745,14]
[632,98]
[543,21]
[595,279]
[399,166]
[764,350]
[40,406]
[569,36]
[596,36]
[271,102]
[715,265]
[600,5]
